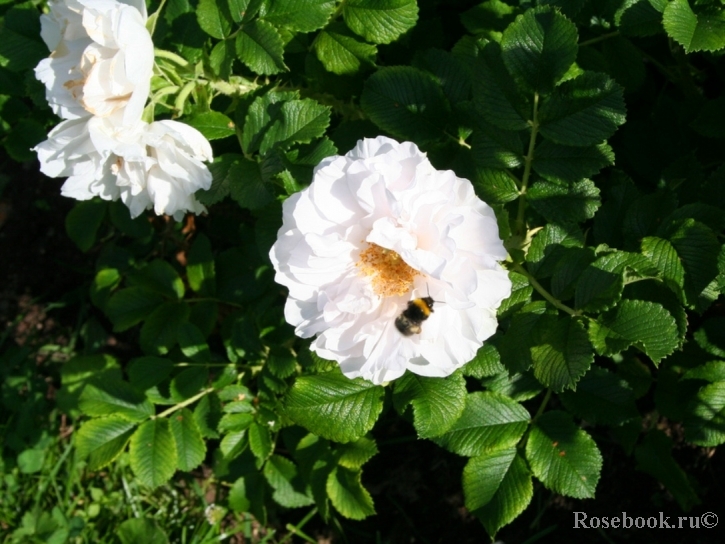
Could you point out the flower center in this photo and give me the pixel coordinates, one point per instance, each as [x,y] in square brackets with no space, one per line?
[390,275]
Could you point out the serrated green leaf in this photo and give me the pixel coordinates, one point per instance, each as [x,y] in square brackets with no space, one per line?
[281,474]
[539,47]
[159,332]
[564,163]
[487,17]
[495,93]
[262,114]
[495,186]
[214,18]
[380,21]
[261,48]
[406,102]
[300,121]
[665,258]
[705,416]
[190,446]
[130,306]
[83,221]
[340,52]
[564,202]
[333,406]
[654,456]
[646,325]
[153,453]
[489,421]
[233,444]
[437,402]
[641,17]
[221,61]
[299,15]
[521,291]
[698,248]
[487,362]
[260,441]
[212,124]
[601,398]
[103,439]
[281,363]
[549,246]
[520,386]
[449,70]
[562,355]
[563,457]
[568,270]
[498,487]
[583,111]
[220,180]
[105,281]
[515,346]
[160,277]
[701,31]
[114,397]
[600,285]
[493,147]
[348,495]
[354,455]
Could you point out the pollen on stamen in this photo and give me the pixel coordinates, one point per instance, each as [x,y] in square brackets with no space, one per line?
[389,274]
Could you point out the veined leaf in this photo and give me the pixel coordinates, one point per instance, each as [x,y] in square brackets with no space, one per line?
[563,457]
[190,446]
[260,46]
[153,453]
[298,15]
[341,52]
[562,354]
[281,475]
[564,202]
[299,121]
[380,21]
[108,397]
[160,330]
[127,307]
[601,398]
[702,31]
[348,495]
[564,163]
[214,18]
[103,439]
[354,455]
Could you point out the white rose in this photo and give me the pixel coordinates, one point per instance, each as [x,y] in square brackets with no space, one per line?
[376,229]
[101,58]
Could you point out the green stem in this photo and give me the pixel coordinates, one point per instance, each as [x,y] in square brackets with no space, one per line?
[183,404]
[544,293]
[520,226]
[544,402]
[173,57]
[599,39]
[296,530]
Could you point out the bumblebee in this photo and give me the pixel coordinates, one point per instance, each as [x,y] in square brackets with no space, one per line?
[418,310]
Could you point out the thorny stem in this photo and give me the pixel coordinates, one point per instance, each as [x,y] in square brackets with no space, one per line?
[599,38]
[544,293]
[520,227]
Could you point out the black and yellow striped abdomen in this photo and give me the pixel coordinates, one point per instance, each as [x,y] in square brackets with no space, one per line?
[418,310]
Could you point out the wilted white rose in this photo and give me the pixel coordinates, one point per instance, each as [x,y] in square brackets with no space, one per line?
[157,165]
[101,59]
[375,230]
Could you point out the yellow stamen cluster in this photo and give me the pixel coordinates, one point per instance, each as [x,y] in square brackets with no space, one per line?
[390,275]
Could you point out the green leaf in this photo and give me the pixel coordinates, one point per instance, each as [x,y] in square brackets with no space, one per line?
[698,248]
[495,186]
[348,495]
[103,439]
[160,277]
[520,386]
[261,48]
[221,61]
[487,361]
[489,421]
[565,163]
[190,446]
[562,355]
[220,180]
[212,124]
[144,530]
[701,31]
[299,15]
[300,121]
[200,266]
[437,402]
[583,111]
[654,456]
[711,336]
[563,457]
[497,486]
[521,291]
[495,93]
[705,417]
[146,372]
[601,398]
[333,406]
[189,382]
[646,325]
[20,48]
[406,102]
[495,148]
[246,185]
[159,332]
[600,285]
[561,202]
[115,397]
[340,52]
[281,363]
[214,18]
[539,47]
[568,270]
[281,473]
[515,347]
[549,246]
[641,17]
[153,453]
[380,21]
[106,280]
[492,15]
[665,258]
[262,114]
[260,441]
[354,455]
[450,71]
[83,221]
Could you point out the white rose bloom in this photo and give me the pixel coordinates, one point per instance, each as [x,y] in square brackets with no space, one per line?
[157,165]
[376,229]
[102,58]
